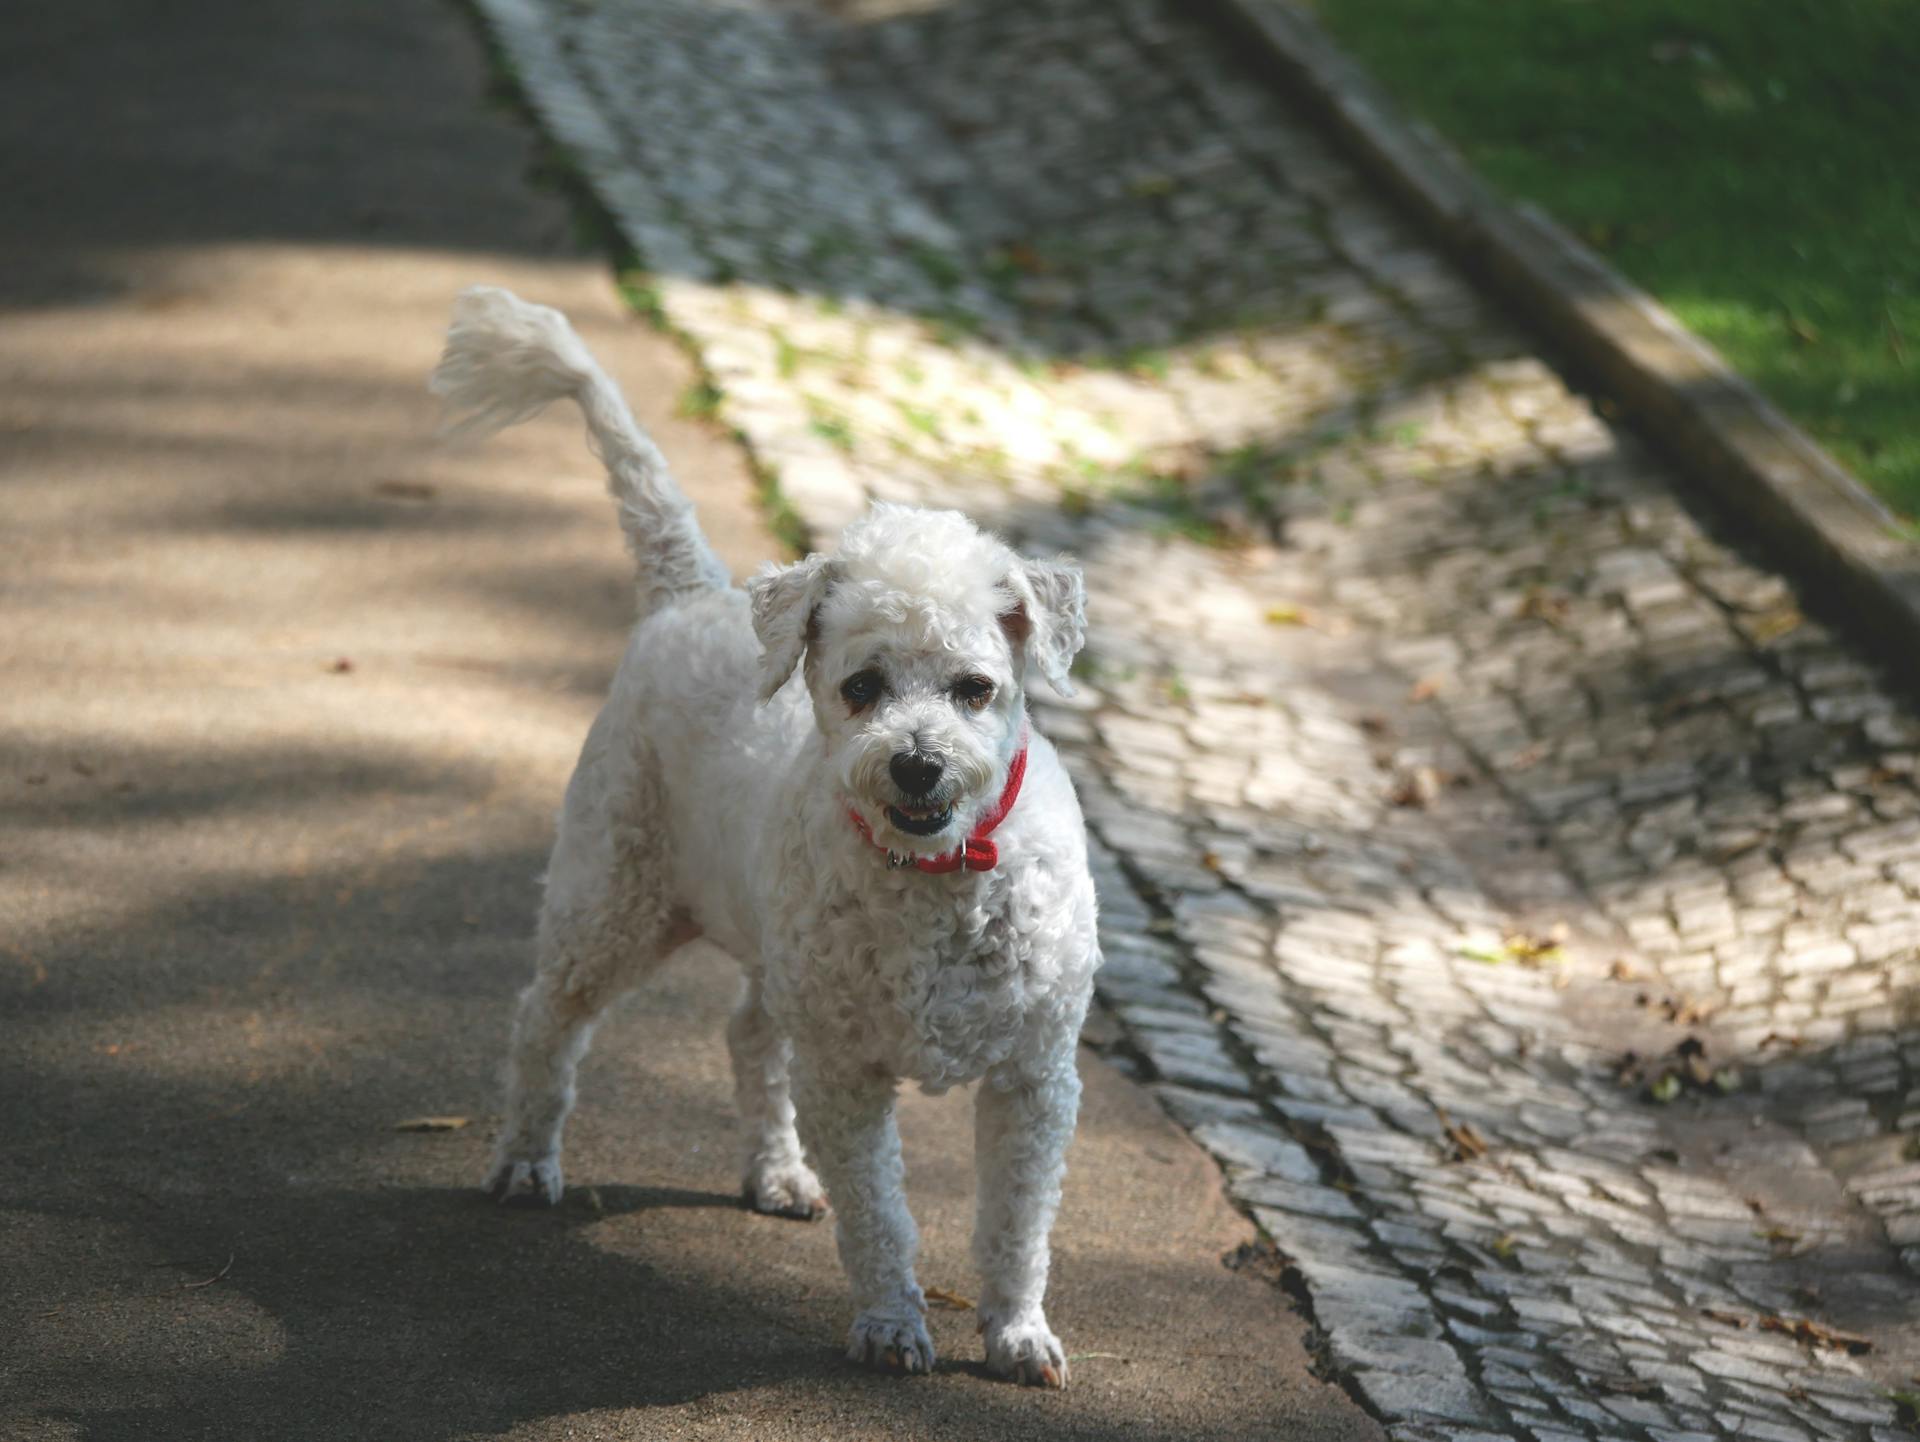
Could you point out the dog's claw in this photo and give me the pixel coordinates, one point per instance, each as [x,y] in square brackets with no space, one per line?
[891,1339]
[514,1183]
[1027,1352]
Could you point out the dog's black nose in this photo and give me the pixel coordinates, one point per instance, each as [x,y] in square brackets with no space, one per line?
[914,773]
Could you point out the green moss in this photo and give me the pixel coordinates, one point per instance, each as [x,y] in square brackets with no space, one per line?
[700,401]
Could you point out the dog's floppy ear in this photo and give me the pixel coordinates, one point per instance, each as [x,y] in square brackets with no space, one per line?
[783,599]
[1049,616]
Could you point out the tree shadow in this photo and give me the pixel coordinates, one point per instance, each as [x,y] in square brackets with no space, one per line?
[244,1246]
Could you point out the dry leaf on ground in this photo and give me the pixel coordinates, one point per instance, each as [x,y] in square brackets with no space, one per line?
[1464,1143]
[1817,1335]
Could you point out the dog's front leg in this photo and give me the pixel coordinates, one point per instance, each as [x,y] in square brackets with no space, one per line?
[846,1122]
[1022,1122]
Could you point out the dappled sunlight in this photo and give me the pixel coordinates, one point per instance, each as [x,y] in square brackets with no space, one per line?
[1414,703]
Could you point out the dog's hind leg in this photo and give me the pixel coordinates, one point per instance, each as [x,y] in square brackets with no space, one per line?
[777,1178]
[608,919]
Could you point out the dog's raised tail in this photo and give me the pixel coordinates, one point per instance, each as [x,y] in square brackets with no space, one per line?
[506,361]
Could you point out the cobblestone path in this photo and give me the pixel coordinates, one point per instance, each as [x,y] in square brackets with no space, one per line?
[1439,755]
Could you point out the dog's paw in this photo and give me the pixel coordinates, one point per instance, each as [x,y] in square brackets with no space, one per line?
[1024,1350]
[513,1182]
[892,1338]
[786,1189]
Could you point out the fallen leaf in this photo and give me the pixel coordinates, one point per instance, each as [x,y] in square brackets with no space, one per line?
[1417,786]
[1531,950]
[1817,1335]
[953,1301]
[430,1124]
[1540,603]
[1775,624]
[405,490]
[208,1282]
[1686,1010]
[1467,1144]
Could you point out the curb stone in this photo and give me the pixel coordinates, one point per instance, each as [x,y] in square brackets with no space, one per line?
[1811,512]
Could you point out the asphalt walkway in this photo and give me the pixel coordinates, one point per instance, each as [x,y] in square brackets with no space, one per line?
[289,698]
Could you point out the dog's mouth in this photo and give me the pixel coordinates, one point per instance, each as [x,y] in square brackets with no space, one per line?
[920,820]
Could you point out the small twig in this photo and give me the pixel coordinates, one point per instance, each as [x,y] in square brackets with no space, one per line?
[189,1286]
[1090,1356]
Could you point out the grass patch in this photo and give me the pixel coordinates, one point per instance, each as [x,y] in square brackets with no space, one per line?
[700,401]
[919,419]
[1750,162]
[830,425]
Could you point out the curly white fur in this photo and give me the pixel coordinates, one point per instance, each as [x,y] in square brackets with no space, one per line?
[711,798]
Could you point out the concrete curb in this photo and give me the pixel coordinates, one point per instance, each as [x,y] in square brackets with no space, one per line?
[1820,523]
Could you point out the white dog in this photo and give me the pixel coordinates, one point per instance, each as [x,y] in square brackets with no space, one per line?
[894,857]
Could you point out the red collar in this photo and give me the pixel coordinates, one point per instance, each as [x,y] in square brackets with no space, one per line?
[978,853]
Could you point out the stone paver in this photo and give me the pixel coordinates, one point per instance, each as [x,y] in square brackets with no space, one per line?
[1440,756]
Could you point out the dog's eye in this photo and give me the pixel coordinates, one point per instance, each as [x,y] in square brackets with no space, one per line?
[860,689]
[974,691]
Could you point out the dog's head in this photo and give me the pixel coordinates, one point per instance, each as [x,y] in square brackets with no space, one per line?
[916,637]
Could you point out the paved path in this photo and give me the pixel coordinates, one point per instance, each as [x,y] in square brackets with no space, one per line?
[1443,757]
[290,695]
